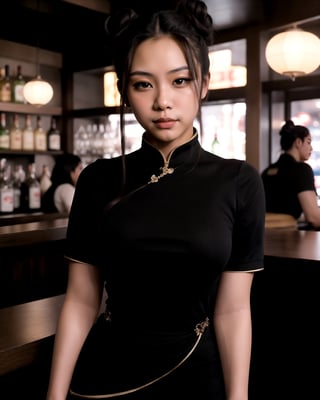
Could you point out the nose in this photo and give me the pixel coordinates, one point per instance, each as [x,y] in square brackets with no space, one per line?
[162,99]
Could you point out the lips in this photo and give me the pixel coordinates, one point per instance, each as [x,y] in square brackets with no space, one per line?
[165,123]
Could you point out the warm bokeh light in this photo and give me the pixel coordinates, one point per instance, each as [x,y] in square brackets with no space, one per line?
[111,93]
[222,73]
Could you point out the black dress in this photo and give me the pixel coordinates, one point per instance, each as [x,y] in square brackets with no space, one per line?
[162,248]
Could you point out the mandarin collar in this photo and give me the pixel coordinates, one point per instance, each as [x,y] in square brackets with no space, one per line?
[183,155]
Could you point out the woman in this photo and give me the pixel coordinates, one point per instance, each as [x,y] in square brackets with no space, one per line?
[65,173]
[173,232]
[289,182]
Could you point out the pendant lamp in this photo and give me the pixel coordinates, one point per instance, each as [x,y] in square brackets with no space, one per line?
[38,91]
[293,53]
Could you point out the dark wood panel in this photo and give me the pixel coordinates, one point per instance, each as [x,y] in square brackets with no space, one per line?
[285,302]
[22,329]
[32,272]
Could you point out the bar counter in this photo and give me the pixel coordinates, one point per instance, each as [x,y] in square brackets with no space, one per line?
[292,244]
[32,262]
[33,232]
[285,311]
[282,243]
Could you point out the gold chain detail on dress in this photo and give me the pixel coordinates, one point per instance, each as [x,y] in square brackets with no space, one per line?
[201,327]
[199,330]
[165,171]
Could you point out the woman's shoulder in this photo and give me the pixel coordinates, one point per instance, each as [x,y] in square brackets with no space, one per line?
[63,187]
[101,167]
[228,163]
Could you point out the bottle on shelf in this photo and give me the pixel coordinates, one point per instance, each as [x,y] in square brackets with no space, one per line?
[18,83]
[6,189]
[54,136]
[18,178]
[4,133]
[28,135]
[15,134]
[5,85]
[216,146]
[40,136]
[30,191]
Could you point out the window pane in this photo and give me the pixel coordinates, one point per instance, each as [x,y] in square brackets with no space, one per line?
[228,65]
[224,129]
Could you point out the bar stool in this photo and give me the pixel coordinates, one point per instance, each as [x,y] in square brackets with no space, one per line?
[277,220]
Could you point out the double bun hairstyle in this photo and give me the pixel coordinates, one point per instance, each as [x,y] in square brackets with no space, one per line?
[189,24]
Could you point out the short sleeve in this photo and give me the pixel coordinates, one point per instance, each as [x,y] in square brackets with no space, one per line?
[304,178]
[248,233]
[96,186]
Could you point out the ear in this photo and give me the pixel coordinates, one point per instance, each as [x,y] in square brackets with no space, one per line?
[298,143]
[205,86]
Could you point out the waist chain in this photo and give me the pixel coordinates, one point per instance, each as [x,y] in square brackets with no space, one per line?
[199,330]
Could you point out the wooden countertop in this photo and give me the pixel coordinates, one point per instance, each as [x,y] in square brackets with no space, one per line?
[286,243]
[295,244]
[33,232]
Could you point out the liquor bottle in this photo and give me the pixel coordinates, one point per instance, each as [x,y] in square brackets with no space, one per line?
[18,178]
[6,189]
[5,86]
[216,146]
[54,136]
[30,191]
[4,133]
[17,87]
[40,136]
[15,134]
[27,135]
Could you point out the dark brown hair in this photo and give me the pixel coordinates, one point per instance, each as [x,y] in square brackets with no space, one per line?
[189,25]
[290,132]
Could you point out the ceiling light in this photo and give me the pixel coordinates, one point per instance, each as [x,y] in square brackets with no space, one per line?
[293,53]
[38,91]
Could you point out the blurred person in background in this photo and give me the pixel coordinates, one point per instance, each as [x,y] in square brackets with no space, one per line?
[59,196]
[289,182]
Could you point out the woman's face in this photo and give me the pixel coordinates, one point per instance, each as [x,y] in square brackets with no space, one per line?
[162,94]
[305,148]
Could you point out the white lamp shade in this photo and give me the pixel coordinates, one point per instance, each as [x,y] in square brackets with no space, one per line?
[38,92]
[293,53]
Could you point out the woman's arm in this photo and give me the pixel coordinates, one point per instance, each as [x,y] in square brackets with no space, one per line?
[309,204]
[232,322]
[79,311]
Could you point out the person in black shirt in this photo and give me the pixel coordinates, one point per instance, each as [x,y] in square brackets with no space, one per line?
[289,182]
[172,232]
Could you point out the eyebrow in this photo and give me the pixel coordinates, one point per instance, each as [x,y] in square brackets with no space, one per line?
[183,68]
